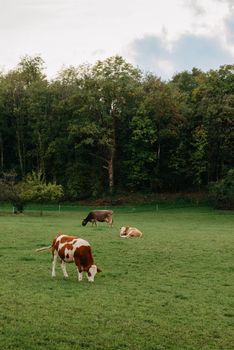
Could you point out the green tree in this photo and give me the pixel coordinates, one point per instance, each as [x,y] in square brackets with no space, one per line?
[214,100]
[161,103]
[222,192]
[69,128]
[113,82]
[14,103]
[180,163]
[37,103]
[11,191]
[100,128]
[198,156]
[36,190]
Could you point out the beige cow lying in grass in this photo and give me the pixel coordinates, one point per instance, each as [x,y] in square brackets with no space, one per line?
[129,232]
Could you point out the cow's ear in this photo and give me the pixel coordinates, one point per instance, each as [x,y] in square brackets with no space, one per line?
[99,270]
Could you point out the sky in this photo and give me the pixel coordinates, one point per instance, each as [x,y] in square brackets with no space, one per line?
[159,36]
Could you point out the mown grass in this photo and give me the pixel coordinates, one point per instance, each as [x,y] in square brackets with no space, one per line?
[171,289]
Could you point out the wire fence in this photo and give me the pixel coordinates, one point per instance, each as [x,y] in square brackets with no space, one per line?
[42,209]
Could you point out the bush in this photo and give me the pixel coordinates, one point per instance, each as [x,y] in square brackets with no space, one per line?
[11,191]
[36,190]
[222,192]
[32,189]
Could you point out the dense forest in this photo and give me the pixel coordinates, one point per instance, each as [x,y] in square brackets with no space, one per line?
[110,128]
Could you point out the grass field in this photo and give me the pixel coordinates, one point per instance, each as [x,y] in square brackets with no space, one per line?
[171,289]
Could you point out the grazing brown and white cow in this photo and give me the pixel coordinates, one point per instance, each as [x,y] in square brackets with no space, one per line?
[99,215]
[73,249]
[126,232]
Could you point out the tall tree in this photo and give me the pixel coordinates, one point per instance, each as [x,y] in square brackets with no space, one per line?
[182,157]
[214,100]
[162,106]
[117,81]
[113,81]
[17,83]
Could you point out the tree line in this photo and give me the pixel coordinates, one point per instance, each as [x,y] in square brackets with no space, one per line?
[109,127]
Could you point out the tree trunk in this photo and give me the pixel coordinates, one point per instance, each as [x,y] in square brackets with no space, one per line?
[112,150]
[1,152]
[19,150]
[159,145]
[111,173]
[40,152]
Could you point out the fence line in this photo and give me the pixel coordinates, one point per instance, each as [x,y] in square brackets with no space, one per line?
[128,208]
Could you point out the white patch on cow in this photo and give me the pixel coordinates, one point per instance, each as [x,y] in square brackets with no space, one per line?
[92,271]
[69,254]
[76,243]
[79,242]
[59,238]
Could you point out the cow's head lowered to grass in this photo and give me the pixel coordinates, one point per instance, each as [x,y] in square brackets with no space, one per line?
[73,249]
[99,215]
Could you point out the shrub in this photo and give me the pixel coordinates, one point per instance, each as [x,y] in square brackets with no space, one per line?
[11,191]
[32,189]
[35,189]
[222,192]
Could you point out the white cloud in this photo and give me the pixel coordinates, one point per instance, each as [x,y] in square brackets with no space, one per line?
[69,32]
[150,53]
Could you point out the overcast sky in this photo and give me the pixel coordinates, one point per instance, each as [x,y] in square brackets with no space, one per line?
[161,36]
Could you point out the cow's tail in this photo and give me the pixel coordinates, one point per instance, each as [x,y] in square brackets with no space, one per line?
[43,248]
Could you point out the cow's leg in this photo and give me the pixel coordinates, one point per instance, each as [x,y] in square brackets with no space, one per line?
[94,222]
[109,220]
[63,267]
[79,269]
[80,275]
[55,255]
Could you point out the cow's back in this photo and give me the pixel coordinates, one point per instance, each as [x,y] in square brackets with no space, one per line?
[102,213]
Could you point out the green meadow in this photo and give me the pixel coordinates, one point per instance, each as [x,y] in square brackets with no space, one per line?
[171,289]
